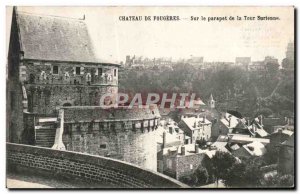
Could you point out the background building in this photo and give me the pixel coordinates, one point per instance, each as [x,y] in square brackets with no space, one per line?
[290,53]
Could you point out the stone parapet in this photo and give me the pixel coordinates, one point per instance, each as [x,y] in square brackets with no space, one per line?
[75,166]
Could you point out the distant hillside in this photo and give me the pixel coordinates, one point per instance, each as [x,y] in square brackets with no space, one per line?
[247,92]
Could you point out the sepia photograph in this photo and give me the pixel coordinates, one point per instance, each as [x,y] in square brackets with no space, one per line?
[156,97]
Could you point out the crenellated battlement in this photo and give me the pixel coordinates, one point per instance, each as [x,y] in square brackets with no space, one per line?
[92,119]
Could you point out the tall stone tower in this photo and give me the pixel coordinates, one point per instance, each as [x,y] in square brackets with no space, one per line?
[55,82]
[211,102]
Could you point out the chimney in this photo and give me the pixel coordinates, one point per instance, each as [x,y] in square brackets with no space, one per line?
[195,124]
[164,139]
[229,121]
[177,151]
[254,127]
[196,148]
[183,150]
[204,117]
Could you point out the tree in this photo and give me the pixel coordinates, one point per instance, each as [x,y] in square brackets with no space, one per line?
[263,111]
[221,164]
[286,113]
[246,173]
[197,178]
[206,163]
[253,173]
[272,68]
[286,181]
[190,180]
[270,181]
[279,181]
[287,63]
[202,142]
[271,156]
[202,175]
[235,177]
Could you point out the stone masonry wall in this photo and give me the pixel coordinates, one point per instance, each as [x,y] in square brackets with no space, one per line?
[41,72]
[82,167]
[122,133]
[47,89]
[15,114]
[44,99]
[188,164]
[14,106]
[134,147]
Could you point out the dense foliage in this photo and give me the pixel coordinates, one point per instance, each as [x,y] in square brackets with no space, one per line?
[250,92]
[238,173]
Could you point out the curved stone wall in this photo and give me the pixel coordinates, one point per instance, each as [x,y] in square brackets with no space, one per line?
[95,170]
[134,147]
[120,133]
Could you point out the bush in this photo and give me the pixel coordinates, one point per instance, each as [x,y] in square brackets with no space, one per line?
[202,176]
[279,181]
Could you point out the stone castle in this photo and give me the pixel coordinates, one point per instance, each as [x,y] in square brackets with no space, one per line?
[54,85]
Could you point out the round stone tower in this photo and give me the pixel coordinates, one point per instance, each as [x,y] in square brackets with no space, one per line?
[121,133]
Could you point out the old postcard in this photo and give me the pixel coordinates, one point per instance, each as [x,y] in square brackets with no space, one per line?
[150,97]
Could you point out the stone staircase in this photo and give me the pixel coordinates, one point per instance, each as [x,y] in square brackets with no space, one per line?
[45,131]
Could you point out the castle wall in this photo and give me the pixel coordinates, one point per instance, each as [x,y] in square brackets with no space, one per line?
[135,147]
[42,72]
[50,84]
[48,89]
[14,106]
[15,115]
[110,133]
[44,99]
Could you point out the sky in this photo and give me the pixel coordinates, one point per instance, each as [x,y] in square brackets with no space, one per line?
[215,41]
